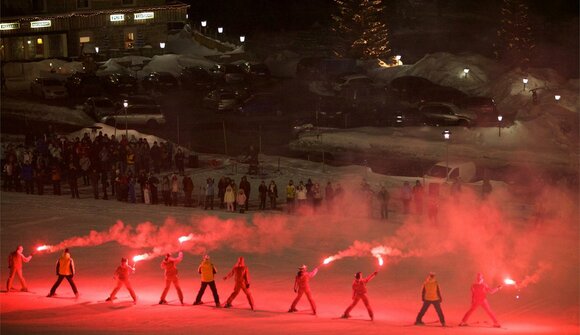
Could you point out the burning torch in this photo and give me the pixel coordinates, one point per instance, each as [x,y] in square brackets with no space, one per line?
[42,248]
[139,258]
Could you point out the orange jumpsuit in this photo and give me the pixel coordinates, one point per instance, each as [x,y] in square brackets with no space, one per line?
[302,286]
[169,265]
[15,261]
[242,278]
[359,292]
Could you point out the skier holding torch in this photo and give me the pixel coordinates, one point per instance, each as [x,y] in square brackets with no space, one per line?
[242,277]
[479,292]
[15,261]
[169,265]
[122,277]
[302,286]
[359,292]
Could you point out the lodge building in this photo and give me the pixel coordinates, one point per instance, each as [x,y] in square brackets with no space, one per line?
[37,29]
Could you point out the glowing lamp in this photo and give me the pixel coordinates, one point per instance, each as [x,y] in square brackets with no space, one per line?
[97,49]
[50,64]
[465,72]
[204,23]
[29,42]
[125,103]
[499,118]
[557,97]
[162,45]
[186,16]
[242,38]
[398,57]
[446,134]
[39,41]
[525,81]
[220,30]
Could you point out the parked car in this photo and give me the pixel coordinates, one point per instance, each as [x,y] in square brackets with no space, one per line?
[484,108]
[82,84]
[120,83]
[140,111]
[95,106]
[195,77]
[48,88]
[220,100]
[261,104]
[352,80]
[160,81]
[435,114]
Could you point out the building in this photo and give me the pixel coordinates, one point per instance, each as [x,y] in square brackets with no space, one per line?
[70,28]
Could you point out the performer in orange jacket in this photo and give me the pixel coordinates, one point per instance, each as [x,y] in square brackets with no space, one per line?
[302,286]
[15,261]
[359,292]
[242,277]
[207,271]
[122,276]
[65,268]
[479,292]
[169,265]
[431,295]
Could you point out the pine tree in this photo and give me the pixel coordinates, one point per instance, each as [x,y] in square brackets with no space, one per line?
[514,43]
[360,28]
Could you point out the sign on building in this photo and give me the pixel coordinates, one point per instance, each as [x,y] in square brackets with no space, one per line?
[40,24]
[9,26]
[144,15]
[117,17]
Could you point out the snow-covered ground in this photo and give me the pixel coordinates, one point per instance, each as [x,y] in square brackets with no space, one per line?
[498,237]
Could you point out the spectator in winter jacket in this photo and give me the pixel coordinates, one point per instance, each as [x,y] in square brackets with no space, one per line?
[316,195]
[359,292]
[166,190]
[290,196]
[169,265]
[222,184]
[209,193]
[207,271]
[272,194]
[479,292]
[104,184]
[301,195]
[73,181]
[122,276]
[242,282]
[95,177]
[245,185]
[263,191]
[229,198]
[241,200]
[65,268]
[28,177]
[431,295]
[15,261]
[174,189]
[55,177]
[384,196]
[302,286]
[418,192]
[406,196]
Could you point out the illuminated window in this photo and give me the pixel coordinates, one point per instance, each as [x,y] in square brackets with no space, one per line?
[85,39]
[39,41]
[129,39]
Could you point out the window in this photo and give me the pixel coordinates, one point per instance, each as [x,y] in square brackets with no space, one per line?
[83,4]
[85,39]
[129,40]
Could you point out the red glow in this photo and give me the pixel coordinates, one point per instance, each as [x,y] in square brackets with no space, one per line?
[140,258]
[328,260]
[43,247]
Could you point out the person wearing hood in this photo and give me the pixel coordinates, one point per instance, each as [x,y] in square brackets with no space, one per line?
[431,295]
[302,286]
[122,276]
[479,292]
[65,269]
[207,271]
[242,282]
[169,265]
[359,292]
[15,261]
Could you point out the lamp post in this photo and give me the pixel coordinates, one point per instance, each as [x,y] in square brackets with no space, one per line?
[242,39]
[162,46]
[557,97]
[525,81]
[125,105]
[465,72]
[203,25]
[447,137]
[97,50]
[499,118]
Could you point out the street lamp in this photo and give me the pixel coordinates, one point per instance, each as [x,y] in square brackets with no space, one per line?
[97,49]
[499,118]
[557,97]
[125,105]
[465,72]
[220,30]
[525,81]
[162,46]
[447,137]
[242,39]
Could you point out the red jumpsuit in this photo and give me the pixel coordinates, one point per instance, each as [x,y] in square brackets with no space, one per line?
[122,275]
[301,286]
[169,265]
[242,278]
[359,292]
[15,261]
[479,293]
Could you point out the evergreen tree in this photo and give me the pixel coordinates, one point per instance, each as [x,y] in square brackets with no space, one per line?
[514,43]
[361,29]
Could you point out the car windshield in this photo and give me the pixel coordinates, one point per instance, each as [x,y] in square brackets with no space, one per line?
[438,171]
